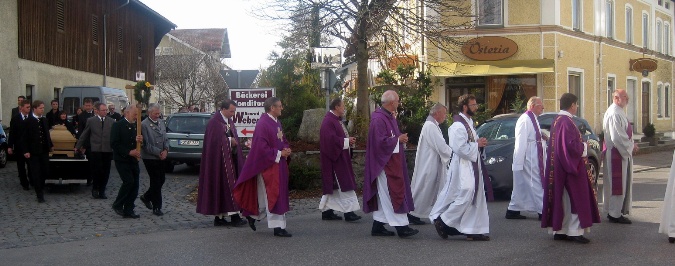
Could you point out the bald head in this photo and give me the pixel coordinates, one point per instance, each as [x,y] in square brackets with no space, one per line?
[621,98]
[130,113]
[390,100]
[535,105]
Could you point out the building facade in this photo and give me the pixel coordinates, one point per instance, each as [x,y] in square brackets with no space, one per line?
[522,48]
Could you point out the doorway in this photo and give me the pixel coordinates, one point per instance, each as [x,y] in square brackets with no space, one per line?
[646,99]
[631,89]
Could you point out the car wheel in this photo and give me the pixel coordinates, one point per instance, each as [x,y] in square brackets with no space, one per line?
[3,157]
[168,167]
[595,170]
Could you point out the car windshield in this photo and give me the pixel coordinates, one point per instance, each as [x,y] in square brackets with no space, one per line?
[501,129]
[187,124]
[583,126]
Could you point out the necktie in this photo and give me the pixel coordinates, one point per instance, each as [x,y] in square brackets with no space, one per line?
[24,117]
[102,119]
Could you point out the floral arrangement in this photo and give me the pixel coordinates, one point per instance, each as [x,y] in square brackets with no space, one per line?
[142,92]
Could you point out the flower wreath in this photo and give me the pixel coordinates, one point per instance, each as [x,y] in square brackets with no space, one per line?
[142,92]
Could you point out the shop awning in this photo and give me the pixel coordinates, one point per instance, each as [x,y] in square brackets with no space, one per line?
[491,68]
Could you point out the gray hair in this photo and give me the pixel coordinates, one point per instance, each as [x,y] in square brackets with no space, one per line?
[154,106]
[437,107]
[532,101]
[388,96]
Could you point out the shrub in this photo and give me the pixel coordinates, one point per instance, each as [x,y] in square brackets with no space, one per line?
[303,176]
[649,130]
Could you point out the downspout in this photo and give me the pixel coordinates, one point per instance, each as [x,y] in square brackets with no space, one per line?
[105,43]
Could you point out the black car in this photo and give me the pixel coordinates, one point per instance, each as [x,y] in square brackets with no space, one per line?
[185,132]
[500,133]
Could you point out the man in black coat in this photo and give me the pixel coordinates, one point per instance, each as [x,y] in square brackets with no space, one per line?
[53,115]
[16,126]
[19,100]
[123,140]
[37,144]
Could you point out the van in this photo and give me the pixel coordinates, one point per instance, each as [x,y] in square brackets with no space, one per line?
[73,97]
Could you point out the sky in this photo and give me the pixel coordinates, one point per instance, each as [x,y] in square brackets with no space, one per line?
[251,39]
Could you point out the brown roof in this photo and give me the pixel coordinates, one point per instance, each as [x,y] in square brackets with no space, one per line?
[207,40]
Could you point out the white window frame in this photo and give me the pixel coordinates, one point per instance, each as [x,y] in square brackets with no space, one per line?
[578,15]
[629,24]
[659,99]
[667,94]
[659,36]
[611,89]
[666,38]
[578,72]
[609,19]
[645,30]
[479,5]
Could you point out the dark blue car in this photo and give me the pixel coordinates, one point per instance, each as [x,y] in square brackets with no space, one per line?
[500,133]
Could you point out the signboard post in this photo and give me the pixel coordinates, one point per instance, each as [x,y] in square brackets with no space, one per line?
[250,106]
[326,58]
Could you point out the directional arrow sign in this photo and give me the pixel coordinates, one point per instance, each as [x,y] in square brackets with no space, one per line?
[246,131]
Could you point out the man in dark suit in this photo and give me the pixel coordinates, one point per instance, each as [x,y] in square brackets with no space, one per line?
[15,110]
[37,145]
[123,140]
[53,115]
[112,113]
[87,112]
[96,136]
[14,141]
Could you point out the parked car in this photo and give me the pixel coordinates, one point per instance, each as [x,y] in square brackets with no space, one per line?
[185,132]
[500,133]
[3,147]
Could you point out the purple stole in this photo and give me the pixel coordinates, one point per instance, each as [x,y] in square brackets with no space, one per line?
[540,148]
[617,164]
[486,179]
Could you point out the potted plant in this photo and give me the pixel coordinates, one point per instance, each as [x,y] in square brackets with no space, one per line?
[650,132]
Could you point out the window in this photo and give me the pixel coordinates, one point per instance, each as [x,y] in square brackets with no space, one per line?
[139,47]
[60,16]
[659,100]
[611,81]
[94,29]
[576,14]
[70,105]
[666,100]
[490,12]
[120,40]
[629,25]
[574,79]
[57,93]
[609,19]
[645,31]
[666,38]
[29,92]
[659,38]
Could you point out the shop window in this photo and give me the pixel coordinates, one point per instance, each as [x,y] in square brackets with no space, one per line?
[659,38]
[609,19]
[611,85]
[645,31]
[490,12]
[659,100]
[577,15]
[666,100]
[629,25]
[574,80]
[500,94]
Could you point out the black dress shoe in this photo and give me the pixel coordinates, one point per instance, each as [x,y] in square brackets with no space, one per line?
[514,215]
[120,212]
[539,216]
[440,228]
[101,195]
[415,220]
[88,182]
[579,239]
[237,221]
[132,215]
[477,237]
[26,188]
[329,215]
[620,220]
[405,231]
[351,217]
[157,212]
[41,200]
[560,237]
[94,193]
[251,222]
[671,240]
[147,202]
[379,230]
[219,222]
[281,232]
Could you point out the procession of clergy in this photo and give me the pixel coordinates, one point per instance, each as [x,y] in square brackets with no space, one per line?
[450,184]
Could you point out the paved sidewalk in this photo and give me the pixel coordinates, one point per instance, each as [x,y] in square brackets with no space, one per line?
[655,160]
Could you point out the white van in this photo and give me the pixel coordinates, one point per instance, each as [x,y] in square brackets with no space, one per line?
[73,97]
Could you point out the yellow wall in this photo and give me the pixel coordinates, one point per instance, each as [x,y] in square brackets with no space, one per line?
[523,12]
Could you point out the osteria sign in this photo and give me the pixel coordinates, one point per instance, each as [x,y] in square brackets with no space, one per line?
[489,48]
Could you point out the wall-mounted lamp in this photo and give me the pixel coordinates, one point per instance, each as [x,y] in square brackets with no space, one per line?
[561,54]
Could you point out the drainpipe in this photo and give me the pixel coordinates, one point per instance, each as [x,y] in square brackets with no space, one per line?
[105,43]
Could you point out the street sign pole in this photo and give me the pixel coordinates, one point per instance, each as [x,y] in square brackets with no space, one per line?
[326,83]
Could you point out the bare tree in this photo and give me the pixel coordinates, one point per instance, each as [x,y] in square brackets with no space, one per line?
[377,28]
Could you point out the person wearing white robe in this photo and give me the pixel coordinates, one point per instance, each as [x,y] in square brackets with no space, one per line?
[615,126]
[667,225]
[431,164]
[528,194]
[456,210]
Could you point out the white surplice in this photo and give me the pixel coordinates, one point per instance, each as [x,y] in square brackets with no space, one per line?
[455,201]
[431,166]
[614,125]
[668,217]
[528,194]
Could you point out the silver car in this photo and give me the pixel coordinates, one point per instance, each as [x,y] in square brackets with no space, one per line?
[186,138]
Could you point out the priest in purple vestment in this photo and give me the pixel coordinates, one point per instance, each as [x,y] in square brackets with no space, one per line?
[221,162]
[570,204]
[262,187]
[336,166]
[386,188]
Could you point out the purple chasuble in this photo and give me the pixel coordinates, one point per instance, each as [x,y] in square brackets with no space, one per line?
[382,139]
[336,162]
[540,148]
[617,164]
[219,168]
[567,170]
[268,140]
[487,184]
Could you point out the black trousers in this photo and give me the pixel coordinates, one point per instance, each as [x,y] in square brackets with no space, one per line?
[129,173]
[88,173]
[39,165]
[99,166]
[21,166]
[156,172]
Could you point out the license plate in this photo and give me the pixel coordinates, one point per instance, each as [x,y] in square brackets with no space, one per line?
[188,142]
